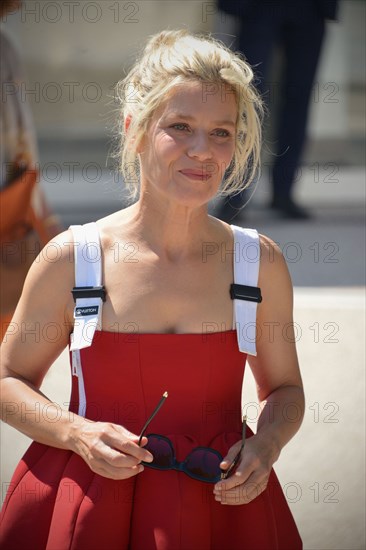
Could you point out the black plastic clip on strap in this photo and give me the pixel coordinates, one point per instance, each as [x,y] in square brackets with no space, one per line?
[89,292]
[244,292]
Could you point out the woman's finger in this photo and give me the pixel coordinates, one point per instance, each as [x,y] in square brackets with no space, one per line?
[127,443]
[127,447]
[105,469]
[115,457]
[244,493]
[241,473]
[230,457]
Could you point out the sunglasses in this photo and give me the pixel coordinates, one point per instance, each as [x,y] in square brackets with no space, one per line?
[202,463]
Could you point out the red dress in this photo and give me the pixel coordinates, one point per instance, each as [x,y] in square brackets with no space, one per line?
[56,502]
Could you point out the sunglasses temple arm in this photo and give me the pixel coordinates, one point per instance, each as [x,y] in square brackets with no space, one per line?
[227,472]
[155,411]
[238,455]
[244,433]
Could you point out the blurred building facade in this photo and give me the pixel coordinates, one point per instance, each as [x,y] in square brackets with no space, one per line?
[76,51]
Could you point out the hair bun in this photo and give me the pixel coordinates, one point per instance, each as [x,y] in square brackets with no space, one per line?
[165,38]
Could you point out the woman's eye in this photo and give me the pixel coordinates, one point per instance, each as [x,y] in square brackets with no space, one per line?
[180,126]
[222,133]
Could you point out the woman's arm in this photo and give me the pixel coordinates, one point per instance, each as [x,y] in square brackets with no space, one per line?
[27,352]
[279,386]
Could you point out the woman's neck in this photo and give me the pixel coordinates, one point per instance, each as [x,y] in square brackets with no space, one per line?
[174,232]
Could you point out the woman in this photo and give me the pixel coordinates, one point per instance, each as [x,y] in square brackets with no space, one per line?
[190,121]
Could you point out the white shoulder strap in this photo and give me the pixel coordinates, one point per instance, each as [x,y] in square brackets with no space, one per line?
[88,273]
[246,271]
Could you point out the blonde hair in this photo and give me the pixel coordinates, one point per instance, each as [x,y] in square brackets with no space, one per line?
[169,59]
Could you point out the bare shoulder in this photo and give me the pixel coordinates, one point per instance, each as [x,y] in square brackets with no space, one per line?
[50,280]
[274,277]
[56,258]
[270,251]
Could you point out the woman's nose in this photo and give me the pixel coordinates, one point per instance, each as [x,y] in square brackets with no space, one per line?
[199,147]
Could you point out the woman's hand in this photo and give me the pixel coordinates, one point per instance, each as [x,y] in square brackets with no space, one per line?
[109,449]
[251,475]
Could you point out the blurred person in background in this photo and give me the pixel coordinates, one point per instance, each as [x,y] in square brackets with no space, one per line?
[27,222]
[298,28]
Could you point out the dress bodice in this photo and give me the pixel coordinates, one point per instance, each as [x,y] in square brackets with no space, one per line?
[126,374]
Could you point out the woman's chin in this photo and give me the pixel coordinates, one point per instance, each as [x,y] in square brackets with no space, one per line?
[194,195]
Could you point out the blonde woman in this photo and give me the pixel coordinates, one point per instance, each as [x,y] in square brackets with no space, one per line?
[167,304]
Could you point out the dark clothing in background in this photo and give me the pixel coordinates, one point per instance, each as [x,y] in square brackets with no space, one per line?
[325,8]
[298,28]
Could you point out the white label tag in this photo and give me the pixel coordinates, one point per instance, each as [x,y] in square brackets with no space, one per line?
[85,311]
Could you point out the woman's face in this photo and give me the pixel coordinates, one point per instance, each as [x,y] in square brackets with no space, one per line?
[189,144]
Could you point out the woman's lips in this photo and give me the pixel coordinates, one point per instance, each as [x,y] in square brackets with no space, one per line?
[196,175]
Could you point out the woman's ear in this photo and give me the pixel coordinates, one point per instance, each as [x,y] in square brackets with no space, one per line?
[140,147]
[127,122]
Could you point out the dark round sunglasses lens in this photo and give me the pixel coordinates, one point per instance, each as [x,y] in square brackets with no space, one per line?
[203,464]
[161,451]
